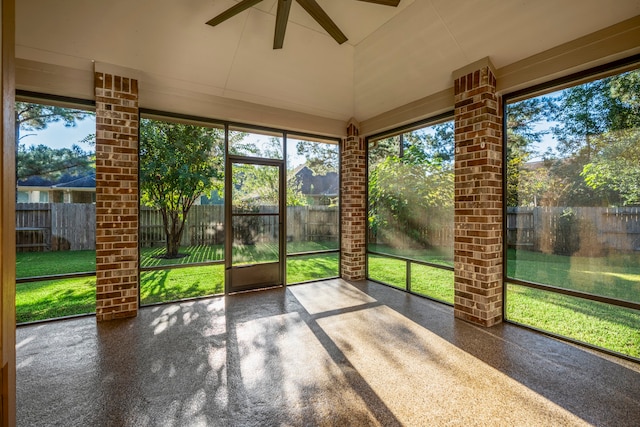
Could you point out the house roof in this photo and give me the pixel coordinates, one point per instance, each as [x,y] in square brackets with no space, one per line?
[64,182]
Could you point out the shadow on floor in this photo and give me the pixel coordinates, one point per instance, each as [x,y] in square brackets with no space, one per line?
[324,353]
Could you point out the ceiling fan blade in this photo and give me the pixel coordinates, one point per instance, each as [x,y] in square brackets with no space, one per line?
[316,12]
[393,3]
[282,16]
[232,11]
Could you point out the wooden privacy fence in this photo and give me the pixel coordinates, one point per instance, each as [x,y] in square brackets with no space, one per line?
[585,231]
[33,226]
[205,225]
[562,230]
[71,226]
[55,226]
[432,229]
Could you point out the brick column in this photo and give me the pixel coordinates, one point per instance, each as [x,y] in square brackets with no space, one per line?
[478,196]
[353,205]
[116,196]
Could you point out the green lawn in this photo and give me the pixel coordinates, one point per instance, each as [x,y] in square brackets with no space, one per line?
[64,297]
[442,256]
[432,282]
[178,283]
[312,267]
[599,324]
[428,281]
[388,270]
[55,298]
[616,276]
[33,264]
[603,325]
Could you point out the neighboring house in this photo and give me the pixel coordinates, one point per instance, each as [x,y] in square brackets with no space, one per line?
[322,189]
[319,189]
[66,189]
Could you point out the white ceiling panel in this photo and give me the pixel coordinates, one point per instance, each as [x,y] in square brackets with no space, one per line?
[308,73]
[393,57]
[414,54]
[404,60]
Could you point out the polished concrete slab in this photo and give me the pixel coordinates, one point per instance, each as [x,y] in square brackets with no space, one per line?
[325,353]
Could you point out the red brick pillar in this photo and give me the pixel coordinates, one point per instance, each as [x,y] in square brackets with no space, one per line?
[116,196]
[353,205]
[478,196]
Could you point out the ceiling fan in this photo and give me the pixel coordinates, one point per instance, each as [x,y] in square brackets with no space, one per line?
[282,16]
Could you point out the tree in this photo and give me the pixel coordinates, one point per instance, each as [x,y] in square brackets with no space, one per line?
[42,160]
[410,191]
[526,183]
[34,117]
[51,163]
[178,164]
[321,158]
[588,116]
[616,162]
[617,166]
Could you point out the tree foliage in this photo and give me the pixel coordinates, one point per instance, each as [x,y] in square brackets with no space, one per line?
[525,186]
[321,158]
[594,161]
[178,164]
[410,188]
[35,117]
[52,163]
[41,160]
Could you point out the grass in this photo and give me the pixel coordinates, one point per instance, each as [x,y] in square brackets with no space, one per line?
[602,325]
[388,270]
[55,298]
[615,276]
[428,281]
[33,264]
[312,267]
[64,297]
[432,282]
[178,283]
[442,256]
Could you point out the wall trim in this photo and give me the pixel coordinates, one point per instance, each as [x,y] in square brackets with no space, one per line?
[163,94]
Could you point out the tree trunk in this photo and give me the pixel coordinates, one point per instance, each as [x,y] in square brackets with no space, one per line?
[173,227]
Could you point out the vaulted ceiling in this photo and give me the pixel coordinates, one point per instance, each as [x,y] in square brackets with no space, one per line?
[393,56]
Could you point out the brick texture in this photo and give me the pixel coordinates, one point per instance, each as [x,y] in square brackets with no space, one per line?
[353,205]
[117,278]
[478,199]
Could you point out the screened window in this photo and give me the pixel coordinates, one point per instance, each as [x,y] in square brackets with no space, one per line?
[410,217]
[55,237]
[251,143]
[313,186]
[181,227]
[573,212]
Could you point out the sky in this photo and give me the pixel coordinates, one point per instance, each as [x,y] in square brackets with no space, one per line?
[56,135]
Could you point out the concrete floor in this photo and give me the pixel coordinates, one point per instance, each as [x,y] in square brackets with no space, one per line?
[327,353]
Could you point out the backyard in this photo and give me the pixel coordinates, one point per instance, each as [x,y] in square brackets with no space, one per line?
[38,300]
[603,325]
[607,326]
